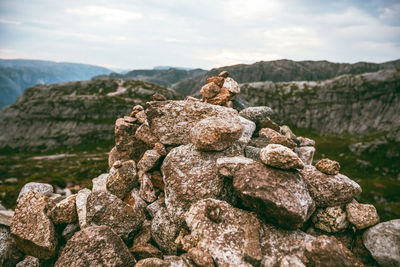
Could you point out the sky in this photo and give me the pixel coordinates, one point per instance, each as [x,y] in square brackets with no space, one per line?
[135,34]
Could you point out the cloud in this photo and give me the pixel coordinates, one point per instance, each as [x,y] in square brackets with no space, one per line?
[6,21]
[106,13]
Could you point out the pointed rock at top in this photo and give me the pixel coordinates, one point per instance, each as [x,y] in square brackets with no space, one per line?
[224,74]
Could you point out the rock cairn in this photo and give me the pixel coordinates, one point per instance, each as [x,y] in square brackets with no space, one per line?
[197,183]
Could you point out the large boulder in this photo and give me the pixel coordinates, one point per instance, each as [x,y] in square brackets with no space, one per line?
[329,190]
[383,241]
[277,195]
[281,157]
[33,231]
[230,235]
[95,246]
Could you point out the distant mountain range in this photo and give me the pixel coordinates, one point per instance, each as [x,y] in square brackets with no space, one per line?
[18,74]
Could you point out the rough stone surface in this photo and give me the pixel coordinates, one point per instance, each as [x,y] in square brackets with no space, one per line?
[69,231]
[330,219]
[33,230]
[256,114]
[228,166]
[223,98]
[230,235]
[64,211]
[231,85]
[306,154]
[152,262]
[144,134]
[278,196]
[285,130]
[328,166]
[217,80]
[41,188]
[112,157]
[103,208]
[9,252]
[149,161]
[171,121]
[291,261]
[283,140]
[144,234]
[80,202]
[200,257]
[144,251]
[100,183]
[215,134]
[362,215]
[29,261]
[95,246]
[223,74]
[6,217]
[329,190]
[268,133]
[210,90]
[304,141]
[122,179]
[280,157]
[252,152]
[147,191]
[383,241]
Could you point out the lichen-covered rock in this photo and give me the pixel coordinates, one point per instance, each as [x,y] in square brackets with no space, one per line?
[191,175]
[144,251]
[210,90]
[9,252]
[281,157]
[304,141]
[80,202]
[103,208]
[228,166]
[100,183]
[328,166]
[362,215]
[64,211]
[382,240]
[29,261]
[33,231]
[41,188]
[329,190]
[306,154]
[95,246]
[215,134]
[330,219]
[230,235]
[278,196]
[171,121]
[231,85]
[122,178]
[268,133]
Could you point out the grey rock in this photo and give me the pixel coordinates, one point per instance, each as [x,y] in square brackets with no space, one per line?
[100,183]
[228,166]
[304,141]
[281,157]
[70,230]
[80,202]
[6,217]
[306,154]
[232,85]
[9,253]
[256,114]
[252,152]
[331,219]
[41,188]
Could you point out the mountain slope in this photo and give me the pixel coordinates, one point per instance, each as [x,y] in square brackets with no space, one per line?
[16,75]
[283,71]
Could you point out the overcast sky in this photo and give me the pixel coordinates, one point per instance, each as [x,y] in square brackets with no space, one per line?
[205,33]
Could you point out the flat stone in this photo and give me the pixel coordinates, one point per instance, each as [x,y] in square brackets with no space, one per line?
[64,211]
[6,217]
[284,141]
[276,195]
[281,157]
[229,235]
[231,85]
[306,154]
[210,90]
[304,141]
[80,202]
[95,246]
[100,183]
[103,208]
[328,166]
[33,231]
[268,133]
[41,188]
[330,219]
[329,190]
[382,240]
[227,166]
[122,179]
[215,134]
[29,261]
[362,215]
[256,114]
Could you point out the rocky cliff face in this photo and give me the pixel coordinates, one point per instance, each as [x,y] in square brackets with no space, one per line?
[65,114]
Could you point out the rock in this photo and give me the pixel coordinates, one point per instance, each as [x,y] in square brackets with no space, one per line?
[171,121]
[100,183]
[217,80]
[136,109]
[149,161]
[362,215]
[285,130]
[29,261]
[64,211]
[159,97]
[231,85]
[152,262]
[330,219]
[382,240]
[103,208]
[160,149]
[144,234]
[147,191]
[224,74]
[33,231]
[122,179]
[210,90]
[141,117]
[80,202]
[248,129]
[328,251]
[191,175]
[259,142]
[268,133]
[130,119]
[329,190]
[215,134]
[328,166]
[280,157]
[41,188]
[133,199]
[144,134]
[252,152]
[284,141]
[276,195]
[95,246]
[222,98]
[6,217]
[304,141]
[157,180]
[291,261]
[256,114]
[9,253]
[69,231]
[200,257]
[305,153]
[228,166]
[112,156]
[230,235]
[267,123]
[144,251]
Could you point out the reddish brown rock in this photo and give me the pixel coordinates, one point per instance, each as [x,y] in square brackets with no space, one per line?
[284,141]
[141,117]
[222,98]
[281,157]
[64,211]
[122,178]
[362,215]
[149,161]
[159,97]
[144,134]
[95,246]
[268,133]
[328,166]
[228,166]
[157,180]
[223,74]
[33,231]
[217,80]
[135,110]
[146,191]
[144,234]
[160,149]
[285,130]
[152,262]
[29,261]
[210,90]
[112,156]
[304,141]
[200,257]
[144,251]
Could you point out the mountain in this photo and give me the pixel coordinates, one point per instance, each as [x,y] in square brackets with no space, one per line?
[72,113]
[161,76]
[283,71]
[170,67]
[18,74]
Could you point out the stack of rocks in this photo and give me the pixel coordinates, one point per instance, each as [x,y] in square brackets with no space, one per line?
[197,183]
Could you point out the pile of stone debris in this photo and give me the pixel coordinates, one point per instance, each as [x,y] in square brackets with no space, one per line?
[197,183]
